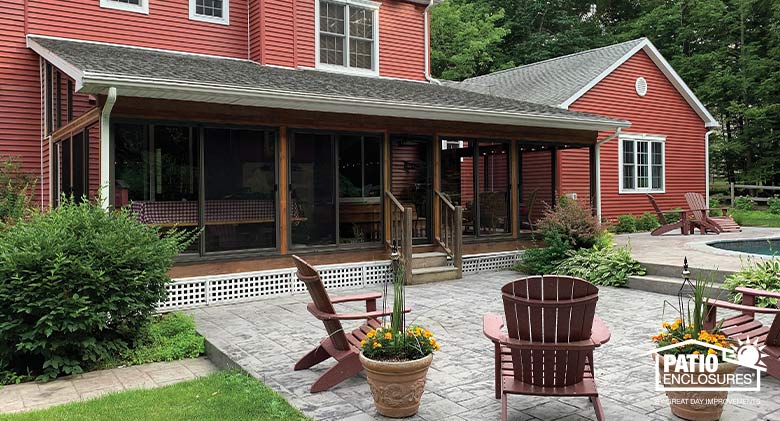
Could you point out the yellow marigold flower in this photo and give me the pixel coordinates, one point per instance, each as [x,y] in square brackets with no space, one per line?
[377,345]
[674,340]
[388,335]
[696,352]
[712,351]
[665,325]
[675,325]
[363,342]
[687,336]
[427,334]
[678,321]
[371,334]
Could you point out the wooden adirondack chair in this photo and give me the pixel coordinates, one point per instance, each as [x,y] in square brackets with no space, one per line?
[343,346]
[685,225]
[700,212]
[745,325]
[552,330]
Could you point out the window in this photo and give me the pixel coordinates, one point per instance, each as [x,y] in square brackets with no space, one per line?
[641,163]
[214,11]
[139,6]
[348,35]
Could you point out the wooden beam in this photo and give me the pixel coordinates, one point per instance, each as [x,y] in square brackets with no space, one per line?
[593,180]
[514,198]
[284,193]
[386,163]
[436,232]
[554,174]
[90,117]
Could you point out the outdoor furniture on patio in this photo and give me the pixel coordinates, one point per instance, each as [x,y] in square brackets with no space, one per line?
[745,325]
[684,224]
[552,330]
[700,211]
[340,345]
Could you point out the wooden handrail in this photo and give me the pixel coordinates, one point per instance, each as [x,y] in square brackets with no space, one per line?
[394,201]
[451,230]
[401,233]
[445,200]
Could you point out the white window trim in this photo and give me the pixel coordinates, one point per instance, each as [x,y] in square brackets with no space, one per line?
[142,8]
[372,5]
[224,20]
[643,138]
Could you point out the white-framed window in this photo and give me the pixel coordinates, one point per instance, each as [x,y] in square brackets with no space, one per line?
[642,163]
[348,36]
[138,6]
[213,11]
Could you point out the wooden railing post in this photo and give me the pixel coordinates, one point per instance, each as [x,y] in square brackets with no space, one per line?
[406,245]
[731,185]
[457,247]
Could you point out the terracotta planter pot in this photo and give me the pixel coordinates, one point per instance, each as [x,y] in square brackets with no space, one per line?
[397,386]
[699,405]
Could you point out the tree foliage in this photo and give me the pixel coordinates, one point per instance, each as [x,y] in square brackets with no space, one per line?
[727,51]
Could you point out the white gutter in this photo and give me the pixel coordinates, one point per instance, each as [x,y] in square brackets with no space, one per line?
[426,16]
[598,170]
[105,156]
[707,166]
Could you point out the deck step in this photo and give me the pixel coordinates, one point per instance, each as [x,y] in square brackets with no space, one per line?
[429,259]
[671,286]
[433,274]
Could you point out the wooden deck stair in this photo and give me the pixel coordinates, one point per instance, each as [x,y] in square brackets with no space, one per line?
[432,267]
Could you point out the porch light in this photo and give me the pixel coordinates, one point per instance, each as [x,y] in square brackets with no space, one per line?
[686,289]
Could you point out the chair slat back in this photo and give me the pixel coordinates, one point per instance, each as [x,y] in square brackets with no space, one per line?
[545,309]
[658,213]
[697,205]
[319,296]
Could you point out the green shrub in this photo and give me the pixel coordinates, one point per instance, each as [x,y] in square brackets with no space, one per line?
[16,190]
[166,338]
[573,222]
[714,205]
[744,203]
[610,266]
[758,274]
[540,261]
[756,219]
[626,224]
[77,285]
[774,205]
[673,215]
[647,222]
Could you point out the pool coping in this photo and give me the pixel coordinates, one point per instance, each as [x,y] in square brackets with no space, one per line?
[706,247]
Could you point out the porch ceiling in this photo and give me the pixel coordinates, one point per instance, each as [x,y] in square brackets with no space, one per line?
[140,72]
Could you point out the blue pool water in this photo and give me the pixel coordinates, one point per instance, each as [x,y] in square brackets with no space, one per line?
[766,247]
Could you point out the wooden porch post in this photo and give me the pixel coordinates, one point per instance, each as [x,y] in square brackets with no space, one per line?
[554,174]
[436,186]
[406,247]
[386,172]
[593,179]
[284,193]
[514,196]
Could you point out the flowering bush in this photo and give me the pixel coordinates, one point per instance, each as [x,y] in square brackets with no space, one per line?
[388,344]
[676,332]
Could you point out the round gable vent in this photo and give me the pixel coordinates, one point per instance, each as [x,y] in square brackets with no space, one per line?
[641,86]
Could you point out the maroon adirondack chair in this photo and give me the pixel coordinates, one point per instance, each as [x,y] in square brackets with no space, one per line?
[684,224]
[744,325]
[706,223]
[552,331]
[343,346]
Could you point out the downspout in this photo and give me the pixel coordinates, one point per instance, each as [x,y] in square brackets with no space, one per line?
[105,156]
[707,165]
[427,16]
[598,170]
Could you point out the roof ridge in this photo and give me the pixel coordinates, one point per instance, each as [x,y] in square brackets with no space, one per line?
[471,79]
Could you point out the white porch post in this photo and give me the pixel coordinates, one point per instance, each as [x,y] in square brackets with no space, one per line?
[105,155]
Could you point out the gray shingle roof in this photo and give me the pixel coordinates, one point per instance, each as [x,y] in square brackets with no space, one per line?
[553,81]
[107,61]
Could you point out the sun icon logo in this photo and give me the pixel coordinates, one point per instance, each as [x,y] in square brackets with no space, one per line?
[749,353]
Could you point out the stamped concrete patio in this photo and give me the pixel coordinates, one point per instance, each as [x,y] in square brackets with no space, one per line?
[266,337]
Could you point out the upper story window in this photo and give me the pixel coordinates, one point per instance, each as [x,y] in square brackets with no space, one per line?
[348,35]
[642,163]
[215,11]
[139,6]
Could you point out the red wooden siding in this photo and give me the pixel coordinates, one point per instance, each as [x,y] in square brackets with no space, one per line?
[401,40]
[662,111]
[574,173]
[167,26]
[537,176]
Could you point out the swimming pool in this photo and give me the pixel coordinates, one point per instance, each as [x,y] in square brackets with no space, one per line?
[764,246]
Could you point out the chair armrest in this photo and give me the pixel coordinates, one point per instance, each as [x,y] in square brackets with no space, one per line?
[757,292]
[492,324]
[742,307]
[350,316]
[359,297]
[599,333]
[491,327]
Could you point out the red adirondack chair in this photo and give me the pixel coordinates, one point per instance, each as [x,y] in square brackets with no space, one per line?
[744,325]
[552,331]
[706,223]
[684,224]
[343,346]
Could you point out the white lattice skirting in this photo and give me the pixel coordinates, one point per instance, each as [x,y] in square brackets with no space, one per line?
[236,287]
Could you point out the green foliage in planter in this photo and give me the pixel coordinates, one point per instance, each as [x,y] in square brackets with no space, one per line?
[16,190]
[647,222]
[77,285]
[774,205]
[744,203]
[610,266]
[757,274]
[626,224]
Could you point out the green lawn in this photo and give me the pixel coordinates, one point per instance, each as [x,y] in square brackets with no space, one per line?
[756,218]
[221,396]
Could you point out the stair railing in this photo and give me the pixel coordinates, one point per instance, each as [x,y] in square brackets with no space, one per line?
[451,231]
[401,233]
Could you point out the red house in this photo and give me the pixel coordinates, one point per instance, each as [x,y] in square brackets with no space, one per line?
[664,152]
[277,127]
